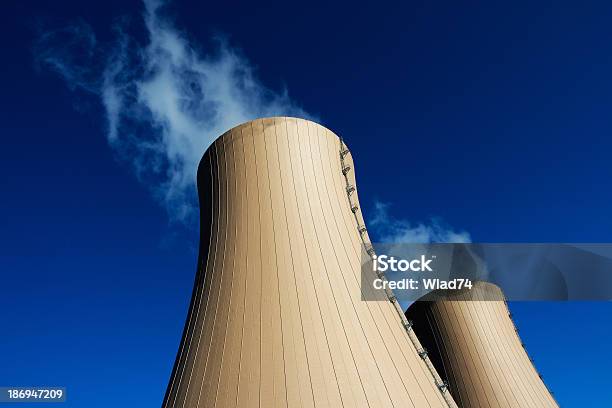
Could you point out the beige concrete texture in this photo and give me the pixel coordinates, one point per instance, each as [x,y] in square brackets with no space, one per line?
[276,317]
[474,344]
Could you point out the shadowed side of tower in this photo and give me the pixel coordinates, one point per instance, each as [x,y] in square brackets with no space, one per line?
[276,317]
[474,345]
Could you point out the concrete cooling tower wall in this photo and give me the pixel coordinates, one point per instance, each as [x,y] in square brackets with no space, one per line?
[473,343]
[276,317]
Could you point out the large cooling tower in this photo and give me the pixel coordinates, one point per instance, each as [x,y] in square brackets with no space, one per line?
[276,317]
[474,345]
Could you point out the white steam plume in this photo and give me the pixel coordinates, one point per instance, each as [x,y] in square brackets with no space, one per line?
[387,229]
[395,232]
[165,102]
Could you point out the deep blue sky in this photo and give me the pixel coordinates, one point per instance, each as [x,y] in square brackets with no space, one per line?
[495,118]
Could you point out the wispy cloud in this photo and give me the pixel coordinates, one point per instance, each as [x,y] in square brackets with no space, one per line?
[164,102]
[385,228]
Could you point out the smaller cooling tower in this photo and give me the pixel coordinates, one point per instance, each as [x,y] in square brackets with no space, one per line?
[475,347]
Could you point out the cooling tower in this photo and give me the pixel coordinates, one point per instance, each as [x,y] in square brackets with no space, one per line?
[276,317]
[475,347]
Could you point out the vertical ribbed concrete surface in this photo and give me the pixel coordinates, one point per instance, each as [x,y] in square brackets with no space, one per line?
[474,345]
[276,318]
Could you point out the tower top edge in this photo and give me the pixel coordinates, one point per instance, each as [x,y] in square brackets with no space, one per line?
[275,121]
[236,132]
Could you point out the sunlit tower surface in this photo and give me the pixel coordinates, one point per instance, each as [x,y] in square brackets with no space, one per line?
[276,316]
